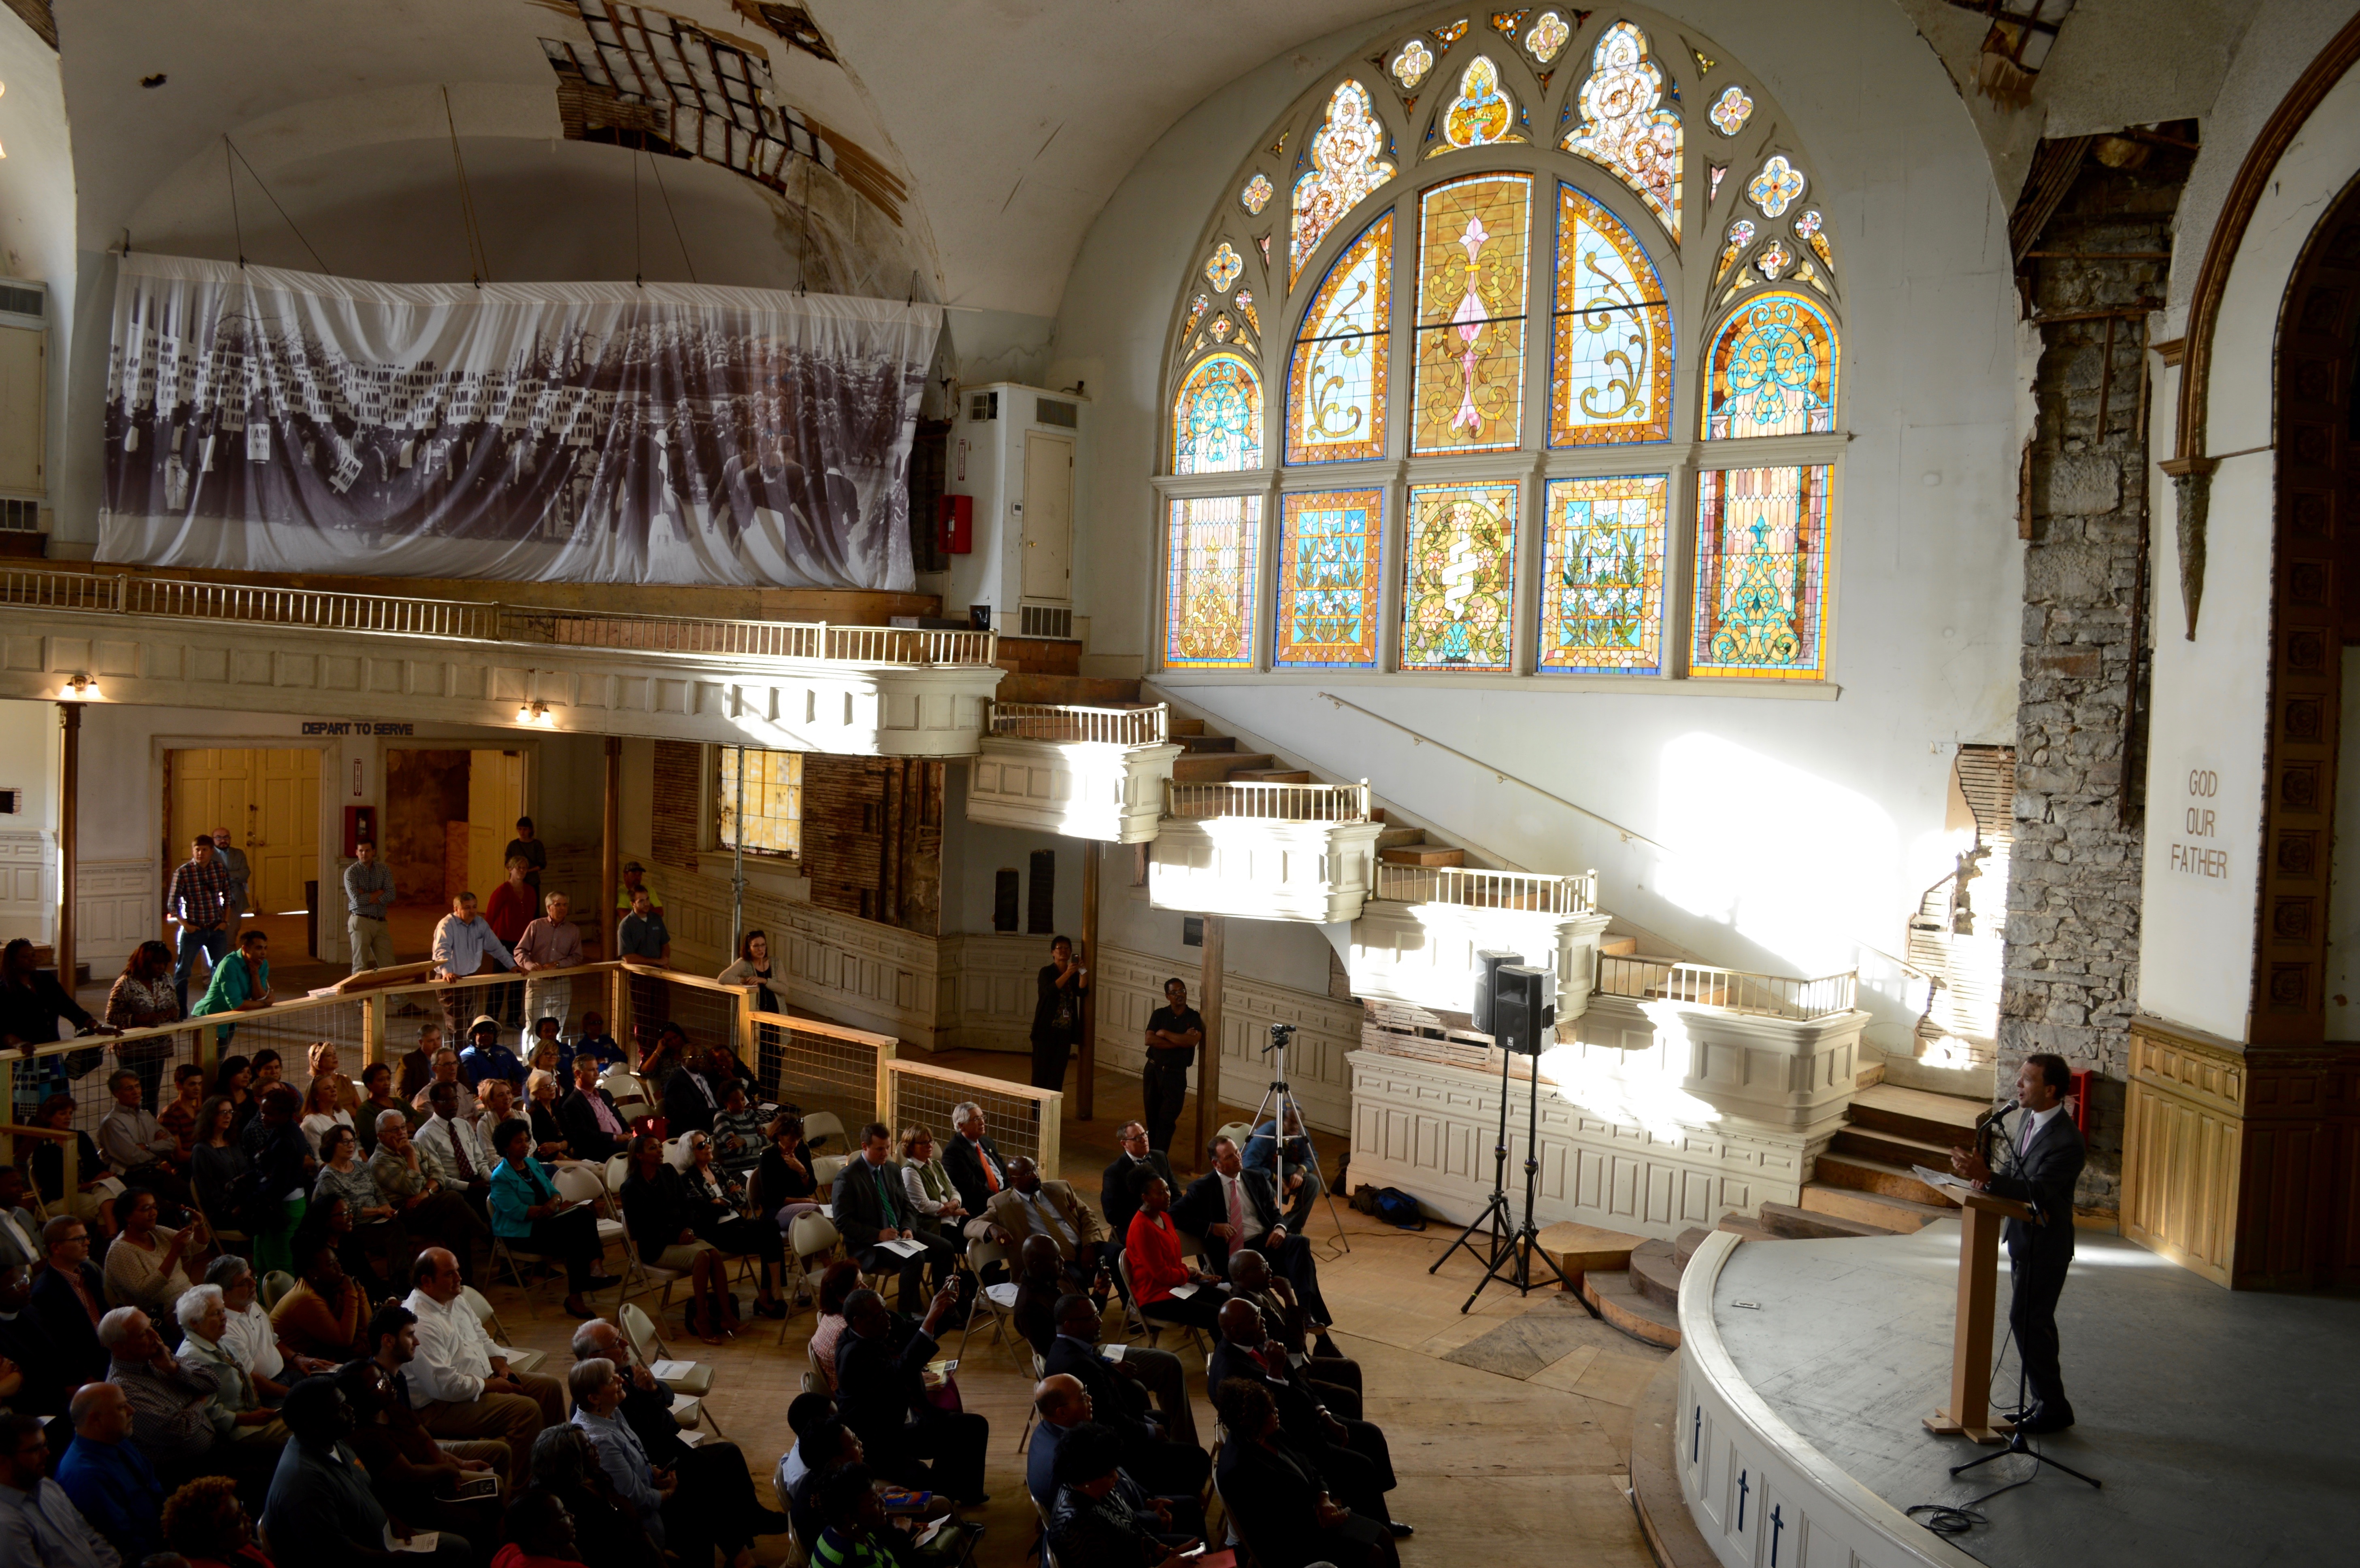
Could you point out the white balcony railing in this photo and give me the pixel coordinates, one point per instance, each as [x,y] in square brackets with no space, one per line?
[1477,889]
[1268,802]
[1732,990]
[406,617]
[1068,722]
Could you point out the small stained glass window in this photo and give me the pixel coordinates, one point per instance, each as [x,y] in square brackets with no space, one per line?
[1473,249]
[1216,419]
[1347,163]
[1256,195]
[1773,260]
[1547,36]
[1329,547]
[1210,571]
[773,796]
[1223,269]
[1458,591]
[1483,114]
[1508,21]
[1761,560]
[1450,35]
[1410,66]
[1730,110]
[1602,576]
[1741,235]
[1614,332]
[1771,370]
[1336,382]
[1713,175]
[1624,127]
[1776,187]
[1812,230]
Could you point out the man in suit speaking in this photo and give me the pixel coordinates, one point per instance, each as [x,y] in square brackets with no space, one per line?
[2044,1162]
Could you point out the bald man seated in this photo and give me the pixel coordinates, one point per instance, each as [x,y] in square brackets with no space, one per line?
[1064,1404]
[1354,1462]
[1159,1463]
[1334,1377]
[1041,1285]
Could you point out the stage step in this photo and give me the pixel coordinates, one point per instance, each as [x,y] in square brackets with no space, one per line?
[1863,1174]
[1391,837]
[1085,691]
[1658,1458]
[1214,766]
[1578,1249]
[1193,744]
[1422,854]
[1655,1270]
[1745,1227]
[1943,1119]
[1618,1301]
[1684,1245]
[1893,1148]
[1269,776]
[1802,1225]
[1896,1214]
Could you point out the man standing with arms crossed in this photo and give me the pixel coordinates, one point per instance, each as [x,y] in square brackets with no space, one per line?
[368,900]
[1175,1030]
[197,900]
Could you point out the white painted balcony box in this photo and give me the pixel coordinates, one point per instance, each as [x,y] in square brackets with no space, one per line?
[1093,773]
[1771,1051]
[1416,937]
[1264,850]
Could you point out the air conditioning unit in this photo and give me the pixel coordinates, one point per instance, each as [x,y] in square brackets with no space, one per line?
[1019,453]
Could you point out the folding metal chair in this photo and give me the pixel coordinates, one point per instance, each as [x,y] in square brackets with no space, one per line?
[689,1388]
[810,1236]
[1000,1300]
[826,1124]
[517,1360]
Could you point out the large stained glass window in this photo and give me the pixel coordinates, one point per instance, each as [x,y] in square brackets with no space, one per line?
[1216,419]
[1473,250]
[1329,544]
[1336,385]
[1209,554]
[1458,589]
[1771,370]
[1347,163]
[1625,129]
[1613,341]
[1602,576]
[1761,565]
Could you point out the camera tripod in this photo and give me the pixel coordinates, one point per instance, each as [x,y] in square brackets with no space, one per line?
[1278,1102]
[1512,1248]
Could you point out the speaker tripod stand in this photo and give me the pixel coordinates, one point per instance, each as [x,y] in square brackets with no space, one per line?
[1512,1249]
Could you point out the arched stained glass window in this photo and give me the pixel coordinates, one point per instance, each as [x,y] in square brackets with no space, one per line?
[1336,385]
[1624,127]
[1602,575]
[1211,556]
[1458,596]
[1473,249]
[1614,342]
[1216,420]
[1329,544]
[1481,115]
[1771,370]
[1347,163]
[1761,567]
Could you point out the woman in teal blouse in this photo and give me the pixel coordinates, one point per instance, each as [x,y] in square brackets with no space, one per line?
[528,1216]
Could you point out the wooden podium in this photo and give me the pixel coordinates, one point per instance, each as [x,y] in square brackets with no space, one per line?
[1979,1222]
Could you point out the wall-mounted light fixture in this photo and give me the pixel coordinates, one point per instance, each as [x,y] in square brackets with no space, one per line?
[81,688]
[537,715]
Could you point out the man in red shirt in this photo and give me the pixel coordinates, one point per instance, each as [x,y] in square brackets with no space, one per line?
[512,907]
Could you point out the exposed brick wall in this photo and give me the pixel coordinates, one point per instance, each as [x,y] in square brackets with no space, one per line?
[680,780]
[872,836]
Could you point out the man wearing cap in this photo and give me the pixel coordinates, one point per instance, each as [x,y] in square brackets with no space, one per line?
[635,880]
[486,1056]
[463,945]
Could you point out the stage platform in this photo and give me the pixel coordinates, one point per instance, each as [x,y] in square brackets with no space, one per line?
[2222,1425]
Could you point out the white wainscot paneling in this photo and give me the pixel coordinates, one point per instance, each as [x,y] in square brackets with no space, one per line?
[988,984]
[117,905]
[836,966]
[28,885]
[1130,988]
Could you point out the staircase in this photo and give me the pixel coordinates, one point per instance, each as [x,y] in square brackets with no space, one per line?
[1862,1186]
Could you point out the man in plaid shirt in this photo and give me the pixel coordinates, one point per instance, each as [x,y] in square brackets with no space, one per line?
[198,902]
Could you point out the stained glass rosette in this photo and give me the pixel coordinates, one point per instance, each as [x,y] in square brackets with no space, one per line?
[1216,419]
[1730,110]
[1481,114]
[1760,608]
[1547,36]
[1256,194]
[1210,569]
[1602,576]
[1771,370]
[1624,127]
[1347,163]
[1474,245]
[1612,375]
[1328,548]
[1459,586]
[1337,380]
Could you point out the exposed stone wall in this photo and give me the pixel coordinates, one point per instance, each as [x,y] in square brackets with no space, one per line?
[2072,955]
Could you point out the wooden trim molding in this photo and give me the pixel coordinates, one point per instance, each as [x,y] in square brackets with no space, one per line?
[2172,350]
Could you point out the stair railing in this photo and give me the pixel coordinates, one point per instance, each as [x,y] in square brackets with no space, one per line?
[1731,990]
[1476,887]
[1267,802]
[1075,722]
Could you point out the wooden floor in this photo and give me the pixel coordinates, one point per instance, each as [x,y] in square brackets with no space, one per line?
[1515,1452]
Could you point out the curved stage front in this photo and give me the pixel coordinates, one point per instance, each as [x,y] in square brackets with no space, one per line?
[2224,1424]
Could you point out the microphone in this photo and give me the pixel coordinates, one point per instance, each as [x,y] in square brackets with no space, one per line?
[1989,1116]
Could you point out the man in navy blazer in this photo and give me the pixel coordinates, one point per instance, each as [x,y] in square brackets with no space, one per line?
[71,1315]
[1203,1210]
[587,1136]
[880,1392]
[2041,1166]
[870,1206]
[976,1168]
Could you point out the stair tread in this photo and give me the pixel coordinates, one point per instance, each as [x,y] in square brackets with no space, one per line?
[1877,1176]
[1200,741]
[1897,1147]
[1786,1219]
[1422,855]
[1094,691]
[1271,775]
[1921,1104]
[1684,1246]
[1390,837]
[1185,726]
[1739,1226]
[1655,1270]
[1899,1214]
[1620,1303]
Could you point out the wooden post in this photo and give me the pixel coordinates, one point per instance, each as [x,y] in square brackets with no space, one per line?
[610,853]
[1086,1085]
[68,838]
[373,1030]
[1209,1058]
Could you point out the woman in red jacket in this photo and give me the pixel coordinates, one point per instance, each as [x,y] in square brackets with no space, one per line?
[1159,1275]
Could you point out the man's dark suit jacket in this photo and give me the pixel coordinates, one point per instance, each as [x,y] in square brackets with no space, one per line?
[1036,1312]
[1203,1205]
[1115,1400]
[1299,1409]
[26,1342]
[857,1214]
[416,1072]
[966,1166]
[583,1137]
[1274,1499]
[2044,1175]
[1118,1202]
[877,1389]
[70,1328]
[686,1106]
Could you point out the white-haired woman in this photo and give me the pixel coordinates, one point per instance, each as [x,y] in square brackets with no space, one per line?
[204,1314]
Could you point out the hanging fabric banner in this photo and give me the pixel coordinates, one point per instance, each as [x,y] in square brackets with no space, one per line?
[265,420]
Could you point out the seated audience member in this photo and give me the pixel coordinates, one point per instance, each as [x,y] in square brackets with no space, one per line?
[1166,1287]
[1159,1463]
[217,1160]
[430,1204]
[1041,1284]
[205,1523]
[784,1175]
[249,1335]
[457,1144]
[870,1207]
[418,1065]
[1233,1207]
[881,1388]
[486,1058]
[934,1196]
[173,1415]
[663,1226]
[565,1466]
[20,1233]
[714,1480]
[138,1147]
[238,1414]
[38,1523]
[148,1266]
[715,1197]
[1335,1378]
[44,1385]
[320,1510]
[379,1245]
[323,1107]
[1352,1456]
[836,1287]
[1031,1206]
[548,1141]
[1276,1498]
[1117,1199]
[69,1298]
[653,1494]
[443,1068]
[460,1382]
[806,1413]
[107,1476]
[1089,1521]
[376,1098]
[234,1082]
[829,1446]
[282,1168]
[738,1135]
[45,1167]
[973,1160]
[593,1129]
[692,1098]
[541,1535]
[326,1062]
[1262,1151]
[498,1097]
[594,1042]
[530,1217]
[854,1531]
[178,1115]
[660,1061]
[418,1480]
[1064,1404]
[540,1050]
[322,1315]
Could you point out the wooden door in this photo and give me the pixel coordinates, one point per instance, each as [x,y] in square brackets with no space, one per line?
[1048,516]
[211,787]
[495,801]
[283,846]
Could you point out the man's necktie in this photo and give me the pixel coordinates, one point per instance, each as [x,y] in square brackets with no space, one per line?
[1237,1210]
[885,1198]
[2025,1147]
[991,1177]
[459,1153]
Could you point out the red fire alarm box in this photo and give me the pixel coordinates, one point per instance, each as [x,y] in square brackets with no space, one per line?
[959,524]
[2086,1100]
[360,827]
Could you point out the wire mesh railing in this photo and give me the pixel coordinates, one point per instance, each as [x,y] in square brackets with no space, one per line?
[1267,802]
[1017,1117]
[1071,721]
[813,1066]
[1732,990]
[1475,888]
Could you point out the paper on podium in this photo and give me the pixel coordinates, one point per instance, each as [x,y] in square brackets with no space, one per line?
[1933,1178]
